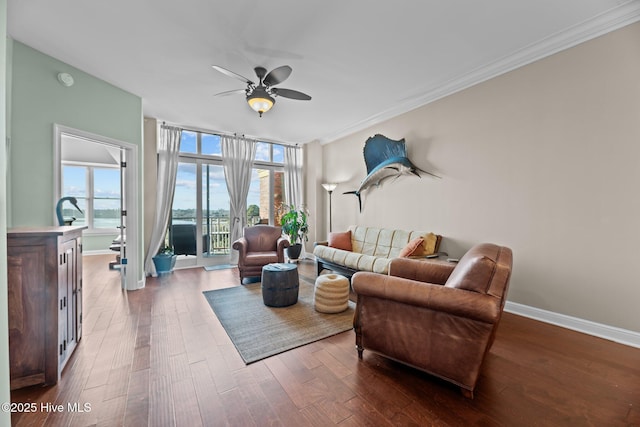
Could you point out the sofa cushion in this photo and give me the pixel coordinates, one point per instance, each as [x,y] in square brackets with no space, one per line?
[352,260]
[400,240]
[335,255]
[324,252]
[412,247]
[357,238]
[381,265]
[384,243]
[370,241]
[260,258]
[340,240]
[365,263]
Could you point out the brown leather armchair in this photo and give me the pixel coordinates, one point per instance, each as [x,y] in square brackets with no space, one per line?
[260,245]
[435,316]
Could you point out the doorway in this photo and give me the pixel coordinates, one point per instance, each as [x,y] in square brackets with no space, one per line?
[100,173]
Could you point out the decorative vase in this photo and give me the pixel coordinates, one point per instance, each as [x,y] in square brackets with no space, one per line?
[164,263]
[293,251]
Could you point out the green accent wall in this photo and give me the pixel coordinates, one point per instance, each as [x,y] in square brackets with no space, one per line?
[38,101]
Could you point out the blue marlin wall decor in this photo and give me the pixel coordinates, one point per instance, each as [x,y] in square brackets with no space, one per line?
[385,158]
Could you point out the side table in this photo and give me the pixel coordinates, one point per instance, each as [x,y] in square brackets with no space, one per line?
[280,284]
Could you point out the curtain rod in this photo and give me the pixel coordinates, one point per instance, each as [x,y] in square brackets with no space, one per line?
[216,132]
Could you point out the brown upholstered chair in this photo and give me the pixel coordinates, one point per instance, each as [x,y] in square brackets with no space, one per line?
[435,316]
[260,245]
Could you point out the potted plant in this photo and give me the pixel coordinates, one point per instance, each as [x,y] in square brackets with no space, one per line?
[165,260]
[295,227]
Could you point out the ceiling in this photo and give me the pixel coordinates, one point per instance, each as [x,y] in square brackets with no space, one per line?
[75,149]
[361,61]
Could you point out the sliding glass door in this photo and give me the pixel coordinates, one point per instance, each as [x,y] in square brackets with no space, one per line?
[199,231]
[215,214]
[183,225]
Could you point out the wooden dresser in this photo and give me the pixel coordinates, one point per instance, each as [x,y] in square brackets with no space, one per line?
[45,301]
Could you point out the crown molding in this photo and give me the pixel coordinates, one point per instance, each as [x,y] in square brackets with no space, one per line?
[611,20]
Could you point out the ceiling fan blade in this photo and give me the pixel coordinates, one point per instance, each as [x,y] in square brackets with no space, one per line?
[232,74]
[231,92]
[277,75]
[289,93]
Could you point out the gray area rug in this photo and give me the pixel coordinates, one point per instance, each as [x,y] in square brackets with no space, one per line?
[259,331]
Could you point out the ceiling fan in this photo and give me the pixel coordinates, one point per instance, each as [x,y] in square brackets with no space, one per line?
[261,96]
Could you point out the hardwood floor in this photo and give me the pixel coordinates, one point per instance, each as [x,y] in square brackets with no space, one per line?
[159,357]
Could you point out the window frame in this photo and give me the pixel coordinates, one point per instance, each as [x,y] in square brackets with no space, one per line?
[200,158]
[89,197]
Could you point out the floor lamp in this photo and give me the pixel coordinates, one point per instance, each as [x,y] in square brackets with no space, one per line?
[330,187]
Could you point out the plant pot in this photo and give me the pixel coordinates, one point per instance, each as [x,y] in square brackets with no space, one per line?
[164,263]
[293,251]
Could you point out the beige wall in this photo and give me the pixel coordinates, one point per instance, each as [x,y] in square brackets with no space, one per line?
[314,195]
[544,159]
[150,177]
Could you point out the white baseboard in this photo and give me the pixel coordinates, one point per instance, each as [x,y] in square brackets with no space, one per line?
[611,333]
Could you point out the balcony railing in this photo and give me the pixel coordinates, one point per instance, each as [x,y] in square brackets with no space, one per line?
[216,233]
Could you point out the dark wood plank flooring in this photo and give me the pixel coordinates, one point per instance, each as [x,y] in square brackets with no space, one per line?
[159,357]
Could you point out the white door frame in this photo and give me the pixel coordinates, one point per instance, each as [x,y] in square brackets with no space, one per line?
[131,194]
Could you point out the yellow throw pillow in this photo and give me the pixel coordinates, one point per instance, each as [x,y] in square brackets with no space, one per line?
[429,245]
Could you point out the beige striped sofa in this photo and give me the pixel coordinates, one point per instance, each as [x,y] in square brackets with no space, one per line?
[372,250]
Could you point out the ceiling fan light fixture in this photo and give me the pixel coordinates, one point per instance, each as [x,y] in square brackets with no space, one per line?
[260,101]
[260,97]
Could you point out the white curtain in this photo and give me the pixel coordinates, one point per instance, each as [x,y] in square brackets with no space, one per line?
[293,181]
[293,175]
[168,149]
[237,160]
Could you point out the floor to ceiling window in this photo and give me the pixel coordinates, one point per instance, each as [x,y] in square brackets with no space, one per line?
[267,185]
[199,227]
